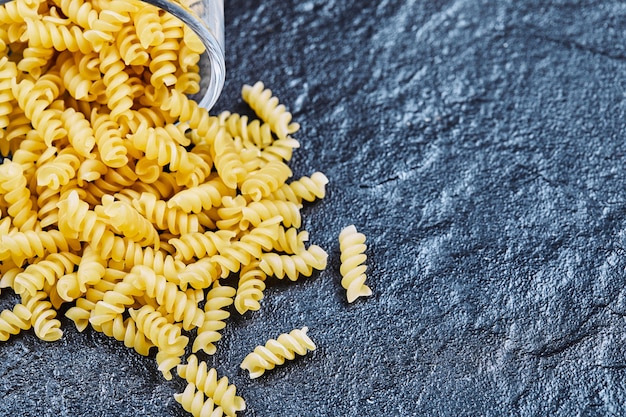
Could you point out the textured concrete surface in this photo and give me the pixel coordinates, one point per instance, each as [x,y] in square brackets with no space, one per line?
[480,146]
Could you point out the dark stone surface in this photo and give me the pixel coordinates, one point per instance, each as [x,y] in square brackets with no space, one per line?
[480,146]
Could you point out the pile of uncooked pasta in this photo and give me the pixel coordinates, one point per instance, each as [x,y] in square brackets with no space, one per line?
[122,198]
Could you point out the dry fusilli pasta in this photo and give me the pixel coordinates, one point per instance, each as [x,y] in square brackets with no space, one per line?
[125,201]
[352,247]
[276,351]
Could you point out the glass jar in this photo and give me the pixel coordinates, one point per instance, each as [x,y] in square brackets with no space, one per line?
[206,18]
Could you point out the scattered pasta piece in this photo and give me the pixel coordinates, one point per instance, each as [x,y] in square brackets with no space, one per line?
[194,401]
[220,391]
[276,351]
[352,247]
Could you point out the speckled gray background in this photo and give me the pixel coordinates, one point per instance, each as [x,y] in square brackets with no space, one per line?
[480,144]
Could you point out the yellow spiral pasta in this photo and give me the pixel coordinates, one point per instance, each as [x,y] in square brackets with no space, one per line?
[168,295]
[118,90]
[20,128]
[163,217]
[179,106]
[249,247]
[78,11]
[250,288]
[126,254]
[352,247]
[227,160]
[201,198]
[13,186]
[42,316]
[269,110]
[168,361]
[58,171]
[34,98]
[277,351]
[67,289]
[132,51]
[199,172]
[8,272]
[291,241]
[198,245]
[126,220]
[166,336]
[158,144]
[148,26]
[124,201]
[79,131]
[34,59]
[292,266]
[259,211]
[73,80]
[52,34]
[111,18]
[253,132]
[164,55]
[303,189]
[219,390]
[115,301]
[49,269]
[266,180]
[81,311]
[77,221]
[280,150]
[17,11]
[14,321]
[126,331]
[111,145]
[20,246]
[91,268]
[194,402]
[218,298]
[231,214]
[200,274]
[8,72]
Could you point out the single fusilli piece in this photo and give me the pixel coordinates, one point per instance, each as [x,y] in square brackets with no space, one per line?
[267,108]
[219,390]
[165,335]
[276,351]
[352,247]
[198,245]
[259,211]
[305,188]
[200,274]
[125,219]
[194,402]
[203,197]
[42,318]
[13,186]
[20,246]
[48,269]
[91,268]
[14,321]
[292,266]
[266,180]
[126,331]
[250,287]
[217,299]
